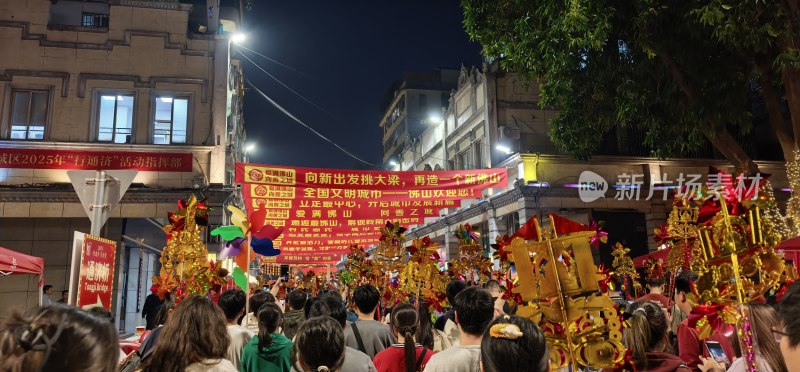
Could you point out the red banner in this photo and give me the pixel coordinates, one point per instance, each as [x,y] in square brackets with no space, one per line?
[324,211]
[371,180]
[96,272]
[95,160]
[325,193]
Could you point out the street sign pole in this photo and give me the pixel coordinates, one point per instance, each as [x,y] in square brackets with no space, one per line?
[99,206]
[99,192]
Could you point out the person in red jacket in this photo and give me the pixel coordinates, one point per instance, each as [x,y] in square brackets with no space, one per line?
[690,347]
[406,355]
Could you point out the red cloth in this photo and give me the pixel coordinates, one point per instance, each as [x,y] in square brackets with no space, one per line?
[660,362]
[665,302]
[17,263]
[567,226]
[528,231]
[392,359]
[691,347]
[128,347]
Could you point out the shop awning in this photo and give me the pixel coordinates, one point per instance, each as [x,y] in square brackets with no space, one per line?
[12,262]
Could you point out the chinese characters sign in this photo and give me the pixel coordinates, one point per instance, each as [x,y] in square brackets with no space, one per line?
[95,160]
[324,211]
[371,180]
[96,272]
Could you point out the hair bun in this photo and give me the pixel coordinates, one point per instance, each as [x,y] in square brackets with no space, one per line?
[323,369]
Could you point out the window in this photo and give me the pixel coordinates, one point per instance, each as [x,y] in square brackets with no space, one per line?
[94,20]
[171,119]
[465,160]
[115,118]
[478,155]
[29,114]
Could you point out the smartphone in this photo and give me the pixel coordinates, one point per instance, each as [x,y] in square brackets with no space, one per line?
[283,303]
[715,351]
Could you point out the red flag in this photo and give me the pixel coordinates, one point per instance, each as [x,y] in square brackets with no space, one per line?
[528,231]
[566,226]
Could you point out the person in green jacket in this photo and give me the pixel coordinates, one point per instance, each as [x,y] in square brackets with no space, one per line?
[270,351]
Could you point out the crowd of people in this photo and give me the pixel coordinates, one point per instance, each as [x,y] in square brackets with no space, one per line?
[333,331]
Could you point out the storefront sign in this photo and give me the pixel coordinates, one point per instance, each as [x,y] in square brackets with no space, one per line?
[96,279]
[95,160]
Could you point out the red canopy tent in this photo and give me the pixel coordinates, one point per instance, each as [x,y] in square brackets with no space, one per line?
[12,263]
[17,263]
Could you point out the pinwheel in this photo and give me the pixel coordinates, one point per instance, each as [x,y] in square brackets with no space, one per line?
[237,244]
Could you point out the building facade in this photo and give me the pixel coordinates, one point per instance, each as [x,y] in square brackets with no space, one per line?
[149,84]
[411,106]
[494,120]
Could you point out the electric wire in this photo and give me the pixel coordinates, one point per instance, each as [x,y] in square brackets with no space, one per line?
[314,104]
[274,61]
[290,115]
[286,86]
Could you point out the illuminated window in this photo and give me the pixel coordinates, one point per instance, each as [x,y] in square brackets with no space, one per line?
[171,120]
[115,118]
[29,114]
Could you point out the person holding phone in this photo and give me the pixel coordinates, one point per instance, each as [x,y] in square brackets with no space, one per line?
[690,347]
[763,318]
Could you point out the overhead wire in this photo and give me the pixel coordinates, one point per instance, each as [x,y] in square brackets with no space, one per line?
[284,85]
[274,61]
[290,115]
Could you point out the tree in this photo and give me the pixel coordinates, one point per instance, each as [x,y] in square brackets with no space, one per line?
[654,65]
[765,35]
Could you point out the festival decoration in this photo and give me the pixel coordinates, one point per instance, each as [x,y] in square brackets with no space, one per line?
[724,236]
[624,268]
[472,264]
[185,269]
[389,258]
[421,277]
[581,326]
[654,269]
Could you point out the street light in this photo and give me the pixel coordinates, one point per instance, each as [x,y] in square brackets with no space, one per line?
[238,38]
[434,119]
[249,148]
[503,148]
[392,163]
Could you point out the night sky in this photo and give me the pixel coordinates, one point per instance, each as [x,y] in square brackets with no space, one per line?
[352,50]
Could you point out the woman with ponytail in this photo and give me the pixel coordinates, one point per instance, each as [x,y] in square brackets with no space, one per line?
[646,339]
[270,350]
[406,355]
[320,346]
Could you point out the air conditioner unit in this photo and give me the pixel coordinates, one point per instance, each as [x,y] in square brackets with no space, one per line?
[506,132]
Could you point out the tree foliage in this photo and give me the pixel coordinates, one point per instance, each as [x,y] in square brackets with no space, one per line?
[665,67]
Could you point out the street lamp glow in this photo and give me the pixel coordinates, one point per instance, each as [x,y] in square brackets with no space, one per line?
[435,119]
[250,147]
[392,163]
[503,148]
[238,38]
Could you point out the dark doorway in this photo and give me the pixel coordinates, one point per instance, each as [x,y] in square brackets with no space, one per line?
[628,228]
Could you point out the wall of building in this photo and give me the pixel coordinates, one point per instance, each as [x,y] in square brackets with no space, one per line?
[50,239]
[146,52]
